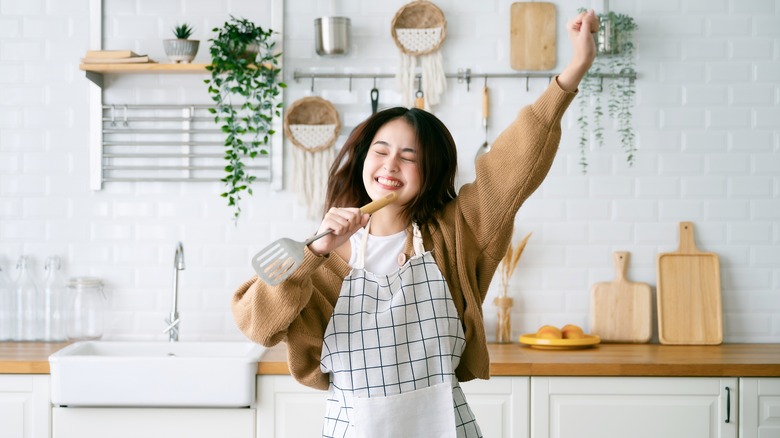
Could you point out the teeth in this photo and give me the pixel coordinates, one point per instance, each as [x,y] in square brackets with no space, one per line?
[388,182]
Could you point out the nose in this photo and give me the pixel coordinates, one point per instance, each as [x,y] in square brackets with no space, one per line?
[391,162]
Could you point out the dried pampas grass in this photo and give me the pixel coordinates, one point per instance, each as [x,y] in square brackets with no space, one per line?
[509,263]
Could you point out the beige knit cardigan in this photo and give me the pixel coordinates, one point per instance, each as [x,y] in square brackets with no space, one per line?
[468,238]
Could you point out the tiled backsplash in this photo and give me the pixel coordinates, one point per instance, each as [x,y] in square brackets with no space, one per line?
[707,124]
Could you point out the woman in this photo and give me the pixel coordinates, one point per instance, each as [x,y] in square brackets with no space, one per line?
[388,318]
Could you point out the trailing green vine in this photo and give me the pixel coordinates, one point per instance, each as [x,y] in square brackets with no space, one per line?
[246,91]
[615,56]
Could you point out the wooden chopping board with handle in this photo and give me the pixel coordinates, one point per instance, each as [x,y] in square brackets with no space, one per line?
[621,310]
[532,33]
[689,297]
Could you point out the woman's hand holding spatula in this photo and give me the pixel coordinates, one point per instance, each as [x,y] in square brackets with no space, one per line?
[344,222]
[277,261]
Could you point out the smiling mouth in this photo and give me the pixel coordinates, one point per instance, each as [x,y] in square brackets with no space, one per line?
[388,182]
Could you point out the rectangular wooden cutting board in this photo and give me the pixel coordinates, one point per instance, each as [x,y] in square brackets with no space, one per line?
[532,33]
[689,296]
[621,310]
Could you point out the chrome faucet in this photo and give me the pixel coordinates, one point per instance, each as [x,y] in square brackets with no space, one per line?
[173,319]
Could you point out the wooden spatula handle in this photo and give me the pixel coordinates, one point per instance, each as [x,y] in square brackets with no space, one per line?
[373,206]
[485,105]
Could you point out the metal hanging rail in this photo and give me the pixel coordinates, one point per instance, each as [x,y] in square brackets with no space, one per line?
[463,75]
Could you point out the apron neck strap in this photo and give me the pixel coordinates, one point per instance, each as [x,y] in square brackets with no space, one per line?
[417,240]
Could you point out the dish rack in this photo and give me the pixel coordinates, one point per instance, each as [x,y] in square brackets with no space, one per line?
[166,143]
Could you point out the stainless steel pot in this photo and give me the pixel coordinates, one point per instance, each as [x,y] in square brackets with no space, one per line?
[332,36]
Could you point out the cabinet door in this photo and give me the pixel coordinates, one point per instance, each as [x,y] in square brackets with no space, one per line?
[285,408]
[637,407]
[24,406]
[759,407]
[500,405]
[152,423]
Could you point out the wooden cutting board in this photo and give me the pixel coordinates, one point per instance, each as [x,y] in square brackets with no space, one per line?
[689,296]
[532,43]
[621,310]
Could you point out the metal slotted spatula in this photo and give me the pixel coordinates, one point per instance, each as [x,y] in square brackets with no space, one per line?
[280,259]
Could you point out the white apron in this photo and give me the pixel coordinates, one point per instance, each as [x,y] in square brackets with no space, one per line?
[391,349]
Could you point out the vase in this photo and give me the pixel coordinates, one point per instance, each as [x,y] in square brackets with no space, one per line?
[179,50]
[504,325]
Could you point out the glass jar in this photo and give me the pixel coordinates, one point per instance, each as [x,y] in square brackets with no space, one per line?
[26,298]
[86,309]
[7,308]
[54,292]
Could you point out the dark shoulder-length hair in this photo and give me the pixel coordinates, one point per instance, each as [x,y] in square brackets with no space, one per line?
[436,158]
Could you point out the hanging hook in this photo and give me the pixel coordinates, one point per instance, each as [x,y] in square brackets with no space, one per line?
[312,83]
[350,82]
[374,81]
[526,83]
[486,76]
[601,84]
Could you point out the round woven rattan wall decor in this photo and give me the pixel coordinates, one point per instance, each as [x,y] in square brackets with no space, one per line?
[312,124]
[419,28]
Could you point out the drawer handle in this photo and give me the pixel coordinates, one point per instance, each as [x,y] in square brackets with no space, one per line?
[728,405]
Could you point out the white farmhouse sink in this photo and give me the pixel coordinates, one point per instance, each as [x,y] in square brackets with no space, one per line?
[155,374]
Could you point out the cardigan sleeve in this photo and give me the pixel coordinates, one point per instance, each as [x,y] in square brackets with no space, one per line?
[295,311]
[518,162]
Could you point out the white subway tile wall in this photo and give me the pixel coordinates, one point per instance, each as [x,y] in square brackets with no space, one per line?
[707,122]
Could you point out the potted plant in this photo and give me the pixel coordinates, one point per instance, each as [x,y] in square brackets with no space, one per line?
[181,49]
[246,92]
[614,42]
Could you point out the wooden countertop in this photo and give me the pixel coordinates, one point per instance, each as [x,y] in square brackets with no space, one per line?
[26,357]
[727,360]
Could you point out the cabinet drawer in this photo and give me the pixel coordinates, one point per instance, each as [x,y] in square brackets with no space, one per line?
[152,423]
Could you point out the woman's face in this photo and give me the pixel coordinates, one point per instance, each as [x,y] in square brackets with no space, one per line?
[392,163]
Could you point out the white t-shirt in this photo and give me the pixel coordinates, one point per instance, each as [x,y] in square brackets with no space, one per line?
[381,251]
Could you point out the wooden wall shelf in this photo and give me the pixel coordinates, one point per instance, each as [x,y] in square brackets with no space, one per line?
[151,68]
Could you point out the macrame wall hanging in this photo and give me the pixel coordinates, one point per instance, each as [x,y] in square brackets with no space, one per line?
[312,125]
[419,29]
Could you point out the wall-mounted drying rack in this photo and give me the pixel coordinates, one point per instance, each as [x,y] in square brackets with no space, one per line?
[165,143]
[463,75]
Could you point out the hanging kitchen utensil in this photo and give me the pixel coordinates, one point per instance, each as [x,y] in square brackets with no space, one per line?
[532,33]
[419,29]
[312,125]
[689,295]
[621,310]
[277,261]
[374,98]
[485,113]
[419,96]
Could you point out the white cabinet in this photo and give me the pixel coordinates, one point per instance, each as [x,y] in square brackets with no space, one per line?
[24,406]
[500,405]
[152,423]
[285,408]
[759,407]
[637,407]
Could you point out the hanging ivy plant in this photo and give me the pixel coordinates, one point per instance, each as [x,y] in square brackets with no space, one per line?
[615,46]
[246,90]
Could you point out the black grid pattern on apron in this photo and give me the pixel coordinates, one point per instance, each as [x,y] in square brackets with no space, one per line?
[384,343]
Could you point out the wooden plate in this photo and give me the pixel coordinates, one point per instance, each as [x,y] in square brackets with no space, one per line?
[532,341]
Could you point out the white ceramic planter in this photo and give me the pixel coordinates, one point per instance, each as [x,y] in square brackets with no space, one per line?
[179,50]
